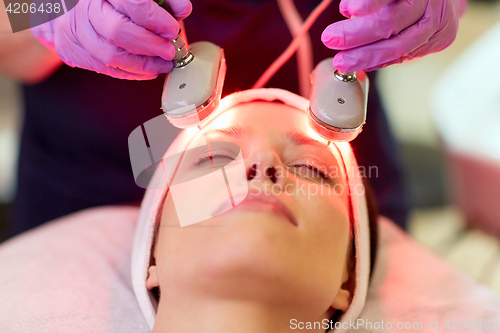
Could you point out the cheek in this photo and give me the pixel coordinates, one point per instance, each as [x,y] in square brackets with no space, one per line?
[180,249]
[172,239]
[327,227]
[323,203]
[329,223]
[325,246]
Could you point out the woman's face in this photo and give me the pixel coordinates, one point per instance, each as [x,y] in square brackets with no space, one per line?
[286,244]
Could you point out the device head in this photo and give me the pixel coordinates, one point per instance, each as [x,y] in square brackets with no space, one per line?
[338,102]
[192,92]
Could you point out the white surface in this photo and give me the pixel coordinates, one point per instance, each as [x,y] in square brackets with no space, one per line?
[406,88]
[444,230]
[412,285]
[466,99]
[72,275]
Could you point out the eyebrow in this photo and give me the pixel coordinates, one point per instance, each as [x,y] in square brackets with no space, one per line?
[238,131]
[235,131]
[299,139]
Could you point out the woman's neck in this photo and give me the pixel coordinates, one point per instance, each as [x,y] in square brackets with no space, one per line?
[186,315]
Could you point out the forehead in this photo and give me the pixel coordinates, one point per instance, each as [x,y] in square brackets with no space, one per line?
[262,116]
[267,110]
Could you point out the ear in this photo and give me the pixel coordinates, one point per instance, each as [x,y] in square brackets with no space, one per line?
[343,298]
[152,279]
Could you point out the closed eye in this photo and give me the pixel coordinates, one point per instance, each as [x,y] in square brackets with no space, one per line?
[315,174]
[218,158]
[311,171]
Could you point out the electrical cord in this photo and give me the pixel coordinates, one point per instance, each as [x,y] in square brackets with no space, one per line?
[305,58]
[292,47]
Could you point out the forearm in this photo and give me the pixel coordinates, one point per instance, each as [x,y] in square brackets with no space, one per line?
[22,57]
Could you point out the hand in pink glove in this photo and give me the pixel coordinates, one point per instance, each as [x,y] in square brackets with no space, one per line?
[125,39]
[386,32]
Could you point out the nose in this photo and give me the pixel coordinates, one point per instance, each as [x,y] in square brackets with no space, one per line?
[265,166]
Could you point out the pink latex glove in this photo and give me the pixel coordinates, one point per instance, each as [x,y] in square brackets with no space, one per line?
[386,32]
[125,39]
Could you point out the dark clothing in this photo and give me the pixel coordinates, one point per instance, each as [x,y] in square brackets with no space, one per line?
[74,150]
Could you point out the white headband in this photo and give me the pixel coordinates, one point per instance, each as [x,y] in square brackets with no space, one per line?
[151,207]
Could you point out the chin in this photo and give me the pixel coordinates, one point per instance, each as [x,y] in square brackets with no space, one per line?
[247,256]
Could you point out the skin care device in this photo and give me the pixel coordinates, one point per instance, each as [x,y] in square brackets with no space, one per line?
[192,91]
[338,101]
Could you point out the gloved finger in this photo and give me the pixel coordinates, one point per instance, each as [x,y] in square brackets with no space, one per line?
[149,15]
[419,52]
[118,73]
[114,56]
[349,8]
[387,50]
[121,31]
[394,62]
[180,8]
[82,59]
[438,42]
[361,30]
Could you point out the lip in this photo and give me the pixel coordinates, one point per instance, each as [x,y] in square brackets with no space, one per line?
[266,202]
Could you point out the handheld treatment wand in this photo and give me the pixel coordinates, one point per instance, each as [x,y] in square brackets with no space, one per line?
[338,102]
[193,89]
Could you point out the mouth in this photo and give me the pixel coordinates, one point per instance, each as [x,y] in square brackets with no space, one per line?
[255,201]
[267,203]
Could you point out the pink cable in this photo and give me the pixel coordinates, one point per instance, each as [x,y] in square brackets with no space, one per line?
[305,59]
[290,50]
